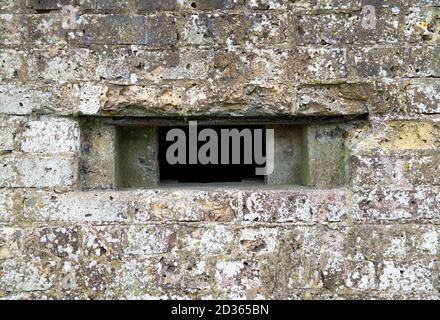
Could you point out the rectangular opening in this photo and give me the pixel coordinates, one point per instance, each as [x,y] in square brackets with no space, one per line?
[131,153]
[208,154]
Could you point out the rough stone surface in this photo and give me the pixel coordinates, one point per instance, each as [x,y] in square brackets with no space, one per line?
[364,224]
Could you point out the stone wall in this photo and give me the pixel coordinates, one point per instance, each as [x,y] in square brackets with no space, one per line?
[63,61]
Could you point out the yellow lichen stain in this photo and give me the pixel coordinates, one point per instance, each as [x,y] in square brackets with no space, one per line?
[100,144]
[423,25]
[410,135]
[169,97]
[308,296]
[5,253]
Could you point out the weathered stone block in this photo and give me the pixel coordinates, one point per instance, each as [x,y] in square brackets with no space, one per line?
[238,279]
[150,240]
[223,98]
[259,241]
[400,243]
[333,99]
[142,206]
[11,64]
[12,6]
[59,242]
[395,136]
[297,206]
[50,136]
[23,99]
[395,169]
[329,4]
[391,204]
[407,135]
[368,140]
[26,171]
[62,65]
[188,205]
[17,275]
[11,242]
[345,28]
[422,25]
[377,62]
[54,258]
[314,64]
[100,207]
[183,64]
[340,274]
[11,205]
[387,97]
[114,65]
[233,30]
[422,61]
[200,240]
[406,277]
[13,29]
[166,277]
[110,5]
[388,3]
[214,4]
[424,97]
[153,5]
[156,31]
[25,29]
[47,4]
[8,130]
[6,139]
[267,4]
[88,98]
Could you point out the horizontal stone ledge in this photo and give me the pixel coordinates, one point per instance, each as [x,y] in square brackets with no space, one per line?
[242,120]
[229,204]
[192,98]
[234,100]
[201,98]
[186,98]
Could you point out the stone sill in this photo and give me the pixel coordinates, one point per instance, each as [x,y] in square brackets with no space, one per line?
[215,204]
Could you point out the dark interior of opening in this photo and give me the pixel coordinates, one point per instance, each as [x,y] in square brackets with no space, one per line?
[208,173]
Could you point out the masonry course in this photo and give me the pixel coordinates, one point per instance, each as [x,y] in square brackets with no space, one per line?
[370,231]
